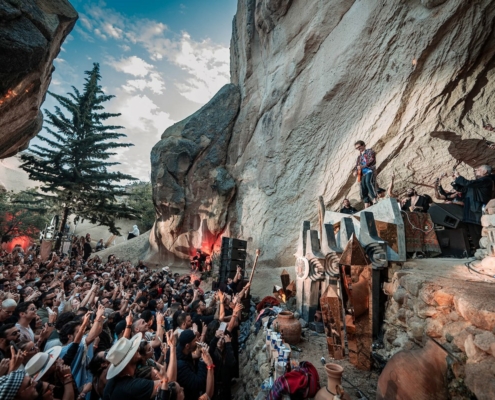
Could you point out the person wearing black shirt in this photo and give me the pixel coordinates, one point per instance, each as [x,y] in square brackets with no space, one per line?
[124,358]
[192,373]
[477,193]
[347,209]
[416,202]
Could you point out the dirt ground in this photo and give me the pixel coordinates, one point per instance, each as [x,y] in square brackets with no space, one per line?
[314,347]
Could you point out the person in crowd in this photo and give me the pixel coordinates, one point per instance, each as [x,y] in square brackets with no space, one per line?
[100,245]
[416,202]
[194,365]
[7,310]
[347,208]
[26,312]
[365,170]
[133,233]
[477,193]
[8,333]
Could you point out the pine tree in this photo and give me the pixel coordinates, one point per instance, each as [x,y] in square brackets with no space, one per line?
[73,167]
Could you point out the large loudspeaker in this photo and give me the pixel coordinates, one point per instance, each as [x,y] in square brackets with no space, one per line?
[454,242]
[448,215]
[232,254]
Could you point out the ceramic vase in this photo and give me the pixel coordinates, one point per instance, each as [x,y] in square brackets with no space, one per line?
[334,378]
[289,327]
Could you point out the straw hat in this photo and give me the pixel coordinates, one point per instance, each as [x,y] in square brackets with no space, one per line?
[41,362]
[121,353]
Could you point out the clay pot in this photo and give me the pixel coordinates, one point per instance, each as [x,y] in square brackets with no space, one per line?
[334,383]
[289,327]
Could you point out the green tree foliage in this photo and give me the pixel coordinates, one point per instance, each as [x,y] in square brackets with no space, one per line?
[22,214]
[73,164]
[141,200]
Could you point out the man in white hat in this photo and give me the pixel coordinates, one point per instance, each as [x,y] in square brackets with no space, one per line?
[44,367]
[121,384]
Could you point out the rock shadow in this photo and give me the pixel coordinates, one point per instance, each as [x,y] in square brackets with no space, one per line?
[473,152]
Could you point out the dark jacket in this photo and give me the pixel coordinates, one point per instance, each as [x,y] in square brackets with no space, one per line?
[477,193]
[191,375]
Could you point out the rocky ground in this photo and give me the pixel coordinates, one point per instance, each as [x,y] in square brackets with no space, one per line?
[313,345]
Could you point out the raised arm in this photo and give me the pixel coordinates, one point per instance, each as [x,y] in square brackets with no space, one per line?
[97,325]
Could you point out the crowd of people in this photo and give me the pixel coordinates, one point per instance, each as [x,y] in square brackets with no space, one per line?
[76,327]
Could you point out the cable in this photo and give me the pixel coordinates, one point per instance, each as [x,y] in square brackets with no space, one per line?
[415,227]
[363,395]
[468,265]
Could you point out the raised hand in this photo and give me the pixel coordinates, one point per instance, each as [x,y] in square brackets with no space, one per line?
[206,356]
[62,371]
[160,320]
[100,312]
[129,319]
[4,366]
[227,339]
[86,318]
[237,309]
[171,338]
[162,371]
[16,359]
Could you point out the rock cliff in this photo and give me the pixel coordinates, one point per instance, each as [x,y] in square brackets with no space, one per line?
[31,33]
[192,189]
[412,78]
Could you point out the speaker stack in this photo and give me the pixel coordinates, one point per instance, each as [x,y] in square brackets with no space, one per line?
[452,234]
[233,254]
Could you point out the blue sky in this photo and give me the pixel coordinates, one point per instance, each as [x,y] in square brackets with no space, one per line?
[162,59]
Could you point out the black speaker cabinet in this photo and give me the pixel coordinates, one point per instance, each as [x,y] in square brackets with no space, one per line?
[454,242]
[448,215]
[232,254]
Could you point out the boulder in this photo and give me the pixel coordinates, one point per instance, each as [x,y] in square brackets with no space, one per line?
[192,188]
[31,34]
[480,378]
[485,341]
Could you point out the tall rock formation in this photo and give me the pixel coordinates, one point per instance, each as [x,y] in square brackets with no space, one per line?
[412,78]
[31,33]
[192,189]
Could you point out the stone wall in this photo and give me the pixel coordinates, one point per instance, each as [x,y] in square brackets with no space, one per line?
[458,314]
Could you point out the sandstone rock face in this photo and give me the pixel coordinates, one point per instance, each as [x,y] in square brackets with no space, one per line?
[413,79]
[31,33]
[192,189]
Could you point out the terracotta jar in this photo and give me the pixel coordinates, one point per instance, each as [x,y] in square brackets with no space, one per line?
[289,327]
[334,383]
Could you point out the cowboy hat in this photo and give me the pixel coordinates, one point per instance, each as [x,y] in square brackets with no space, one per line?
[41,362]
[121,353]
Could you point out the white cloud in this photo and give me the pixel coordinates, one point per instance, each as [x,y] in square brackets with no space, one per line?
[205,63]
[132,65]
[85,22]
[100,34]
[208,67]
[141,113]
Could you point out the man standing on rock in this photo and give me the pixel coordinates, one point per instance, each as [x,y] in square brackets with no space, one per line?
[366,172]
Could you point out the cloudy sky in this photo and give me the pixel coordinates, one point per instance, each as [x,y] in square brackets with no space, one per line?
[162,59]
